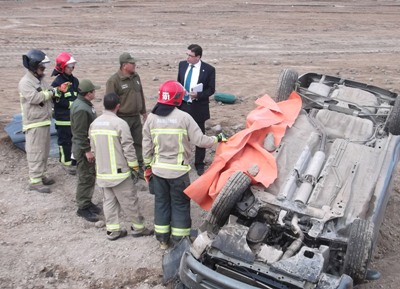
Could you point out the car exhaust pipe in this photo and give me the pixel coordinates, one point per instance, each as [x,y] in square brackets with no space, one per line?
[291,182]
[310,178]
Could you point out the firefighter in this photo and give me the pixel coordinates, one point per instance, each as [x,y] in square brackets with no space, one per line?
[168,135]
[36,97]
[64,67]
[112,145]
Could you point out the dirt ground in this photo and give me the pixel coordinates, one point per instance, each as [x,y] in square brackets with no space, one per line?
[43,244]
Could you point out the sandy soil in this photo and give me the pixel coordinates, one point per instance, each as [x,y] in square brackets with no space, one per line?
[43,243]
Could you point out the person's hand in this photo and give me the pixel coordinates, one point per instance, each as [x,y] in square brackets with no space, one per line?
[193,94]
[64,86]
[90,156]
[135,174]
[54,92]
[147,174]
[221,137]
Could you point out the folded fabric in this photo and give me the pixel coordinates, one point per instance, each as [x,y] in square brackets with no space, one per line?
[245,149]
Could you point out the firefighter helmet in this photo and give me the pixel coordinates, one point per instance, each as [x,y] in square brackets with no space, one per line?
[34,58]
[171,92]
[63,59]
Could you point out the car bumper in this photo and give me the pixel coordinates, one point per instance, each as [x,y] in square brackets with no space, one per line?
[198,276]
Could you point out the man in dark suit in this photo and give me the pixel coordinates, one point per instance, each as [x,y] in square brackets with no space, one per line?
[192,73]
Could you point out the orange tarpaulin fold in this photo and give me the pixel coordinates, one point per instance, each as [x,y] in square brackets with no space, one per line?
[245,149]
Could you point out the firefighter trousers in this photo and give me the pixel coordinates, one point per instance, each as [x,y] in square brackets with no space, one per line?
[37,147]
[171,208]
[121,197]
[64,141]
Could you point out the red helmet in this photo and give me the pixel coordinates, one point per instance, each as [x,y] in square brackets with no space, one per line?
[171,92]
[62,60]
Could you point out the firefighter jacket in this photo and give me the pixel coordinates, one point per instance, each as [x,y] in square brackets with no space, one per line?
[112,144]
[63,100]
[167,142]
[35,99]
[130,91]
[82,115]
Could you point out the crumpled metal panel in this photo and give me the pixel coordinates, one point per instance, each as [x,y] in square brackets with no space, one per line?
[231,240]
[305,265]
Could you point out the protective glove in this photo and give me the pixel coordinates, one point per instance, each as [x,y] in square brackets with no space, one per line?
[147,174]
[54,92]
[64,86]
[135,174]
[221,137]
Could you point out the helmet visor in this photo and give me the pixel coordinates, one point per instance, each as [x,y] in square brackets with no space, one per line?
[45,61]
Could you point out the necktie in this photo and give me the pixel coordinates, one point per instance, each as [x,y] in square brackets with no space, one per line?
[187,82]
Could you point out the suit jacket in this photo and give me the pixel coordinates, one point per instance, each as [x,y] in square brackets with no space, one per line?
[199,109]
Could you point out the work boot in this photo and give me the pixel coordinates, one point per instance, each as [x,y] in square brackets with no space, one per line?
[87,215]
[47,181]
[71,170]
[93,208]
[141,233]
[114,235]
[40,188]
[164,245]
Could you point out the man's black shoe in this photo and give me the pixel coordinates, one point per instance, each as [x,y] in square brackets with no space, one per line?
[94,209]
[200,171]
[87,215]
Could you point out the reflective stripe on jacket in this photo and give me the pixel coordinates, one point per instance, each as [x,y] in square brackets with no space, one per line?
[63,101]
[167,142]
[112,145]
[35,102]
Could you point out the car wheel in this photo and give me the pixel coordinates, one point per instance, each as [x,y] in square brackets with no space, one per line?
[359,250]
[394,118]
[227,198]
[286,84]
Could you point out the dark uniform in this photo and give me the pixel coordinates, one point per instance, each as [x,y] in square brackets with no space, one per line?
[62,105]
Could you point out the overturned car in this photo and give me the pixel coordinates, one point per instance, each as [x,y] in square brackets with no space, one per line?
[316,225]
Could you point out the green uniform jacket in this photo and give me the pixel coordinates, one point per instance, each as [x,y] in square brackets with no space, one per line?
[130,91]
[82,115]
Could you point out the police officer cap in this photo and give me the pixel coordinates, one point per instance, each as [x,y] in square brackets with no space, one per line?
[86,85]
[126,58]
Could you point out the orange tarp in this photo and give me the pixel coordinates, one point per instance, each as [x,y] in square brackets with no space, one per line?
[245,149]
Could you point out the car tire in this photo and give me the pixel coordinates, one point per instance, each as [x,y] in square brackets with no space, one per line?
[286,84]
[227,198]
[394,118]
[359,250]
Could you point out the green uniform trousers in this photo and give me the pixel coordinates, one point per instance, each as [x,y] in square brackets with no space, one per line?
[135,125]
[86,181]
